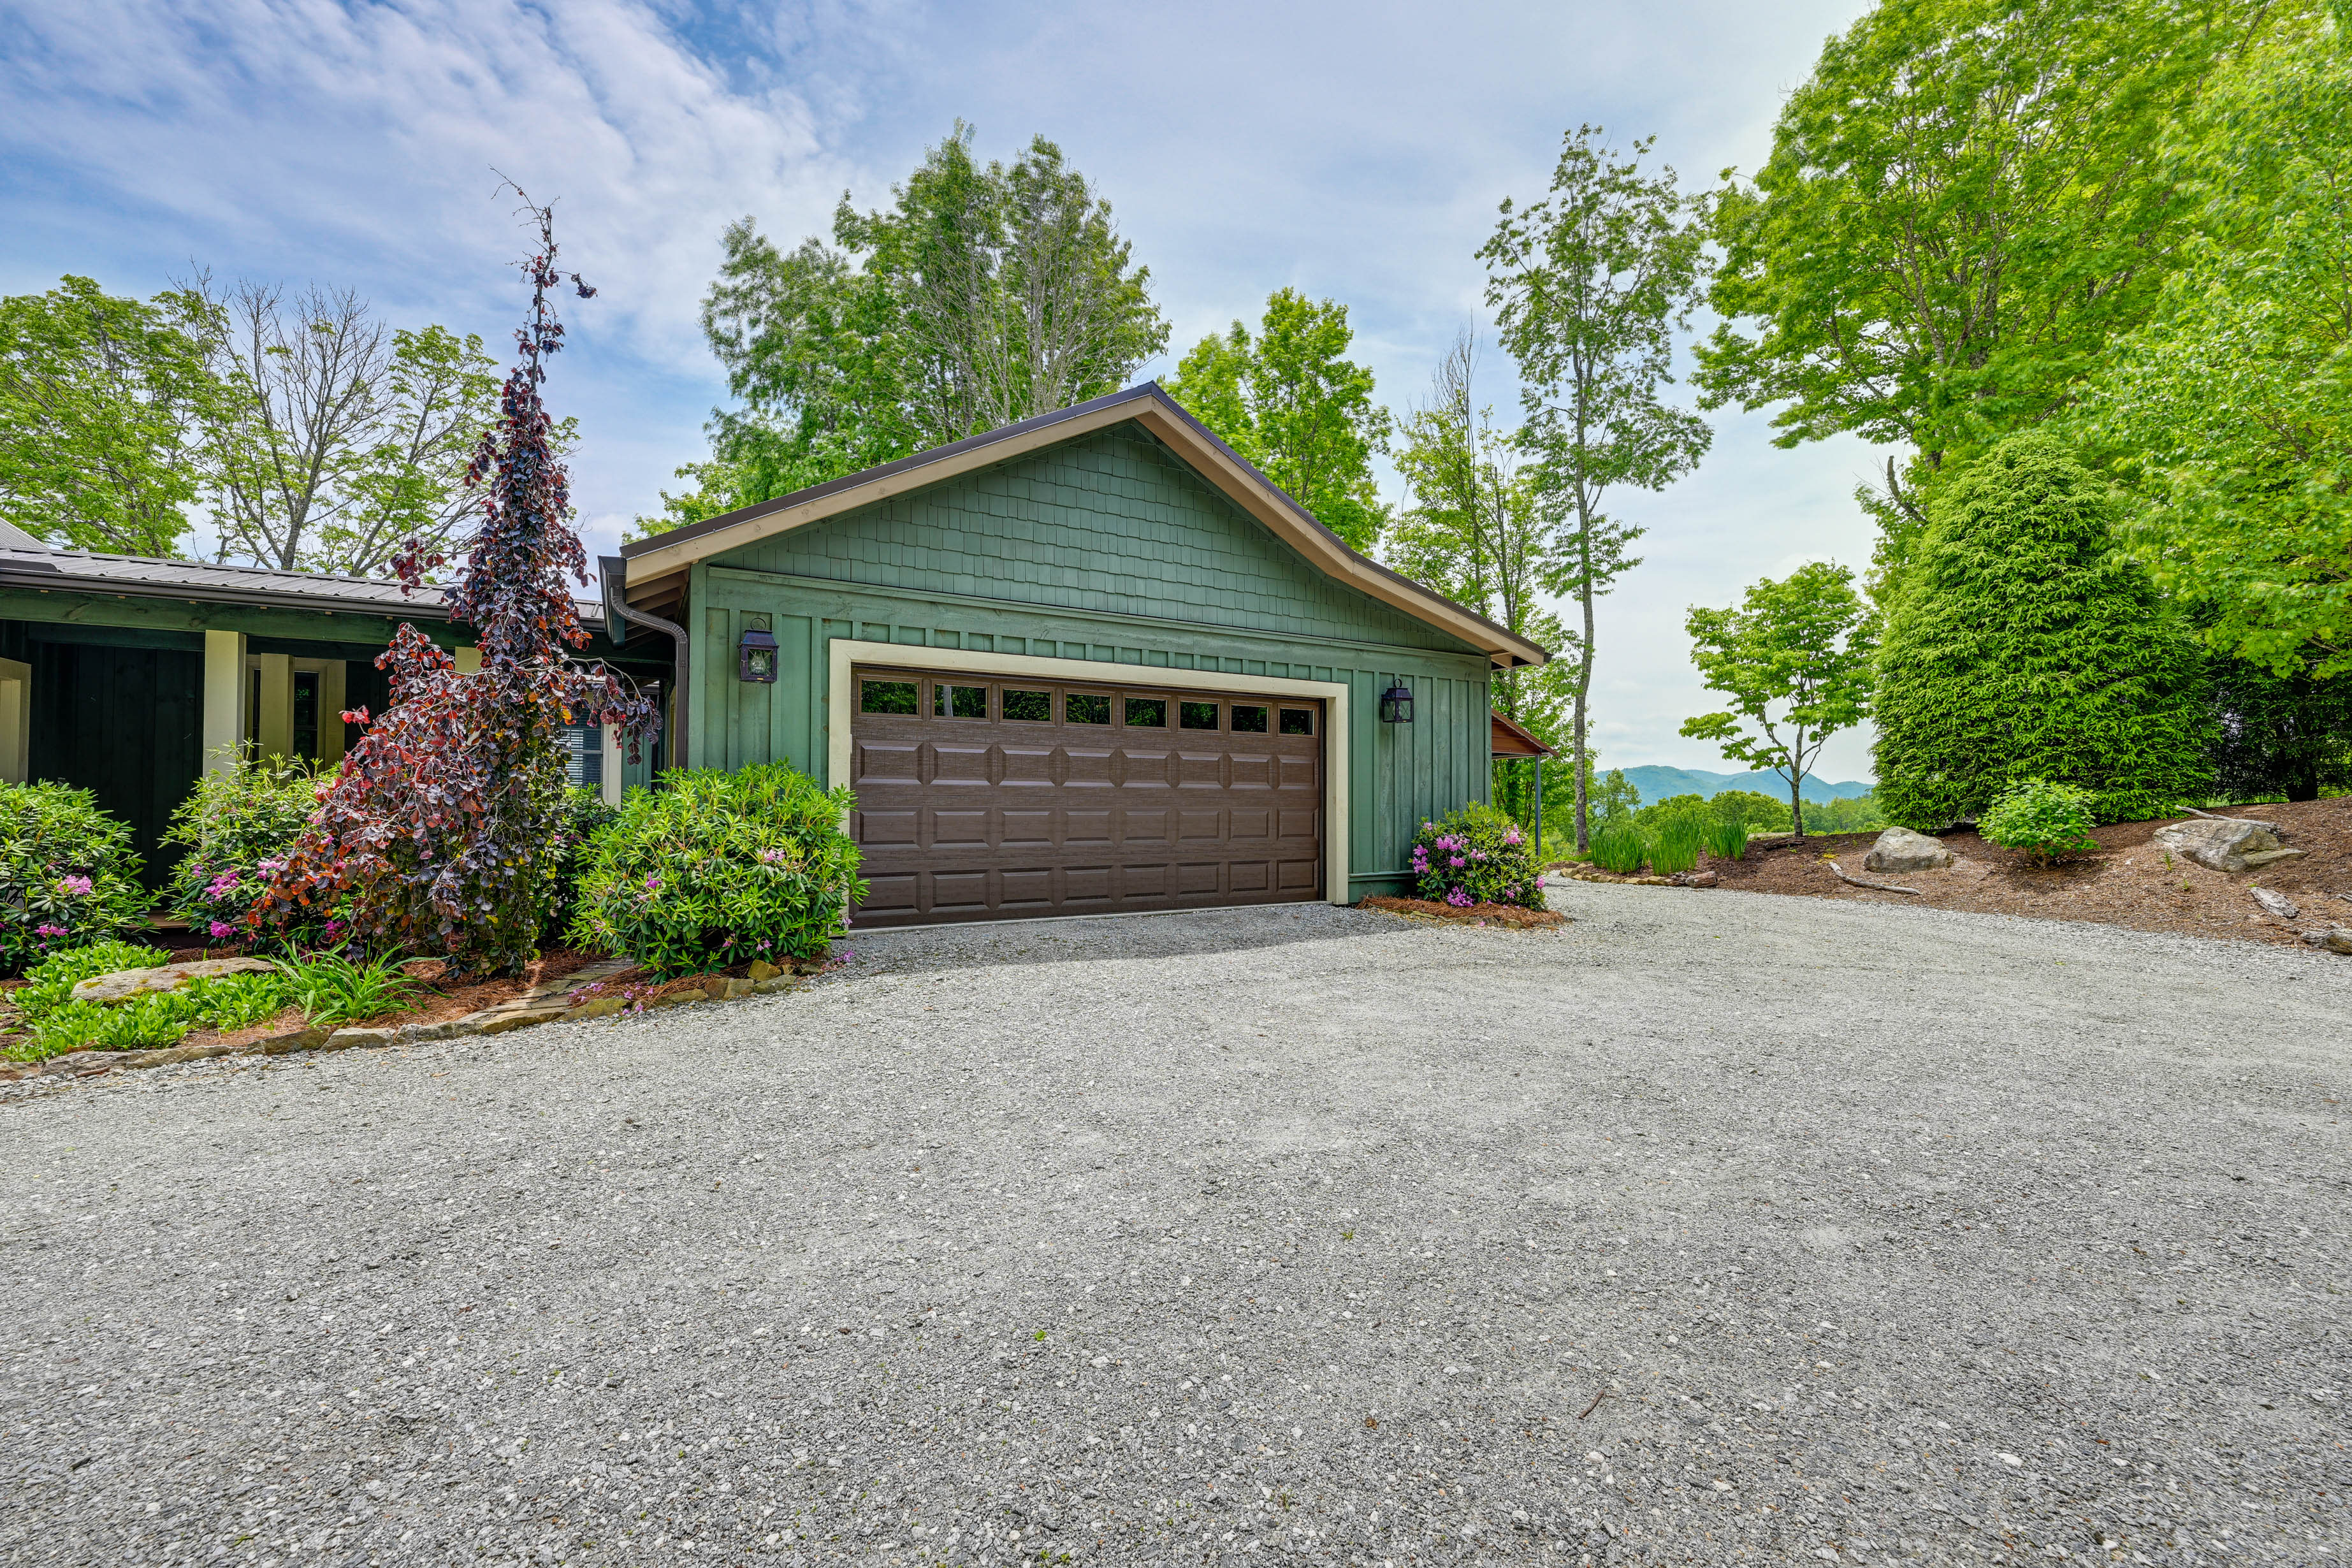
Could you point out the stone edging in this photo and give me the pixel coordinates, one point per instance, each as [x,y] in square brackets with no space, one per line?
[1578,871]
[548,1002]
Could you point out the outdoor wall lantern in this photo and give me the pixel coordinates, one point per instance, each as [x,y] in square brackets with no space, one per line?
[1396,705]
[756,657]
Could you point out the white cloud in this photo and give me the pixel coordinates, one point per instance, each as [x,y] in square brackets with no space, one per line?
[1353,149]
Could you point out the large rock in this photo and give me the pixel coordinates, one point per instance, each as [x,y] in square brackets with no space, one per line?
[2337,939]
[2221,843]
[1900,850]
[126,983]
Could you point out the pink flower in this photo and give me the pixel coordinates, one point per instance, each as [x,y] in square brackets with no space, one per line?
[222,931]
[48,931]
[76,885]
[1459,898]
[1457,860]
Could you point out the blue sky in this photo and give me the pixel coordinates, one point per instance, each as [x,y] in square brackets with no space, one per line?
[1355,150]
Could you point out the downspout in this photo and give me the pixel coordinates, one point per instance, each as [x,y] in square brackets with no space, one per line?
[614,571]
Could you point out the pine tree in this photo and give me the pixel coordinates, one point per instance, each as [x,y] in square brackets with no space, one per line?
[2024,646]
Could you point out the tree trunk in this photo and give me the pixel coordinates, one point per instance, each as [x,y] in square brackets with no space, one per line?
[1583,682]
[1797,804]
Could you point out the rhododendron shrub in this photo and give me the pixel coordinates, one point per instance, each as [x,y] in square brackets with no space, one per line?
[443,834]
[235,831]
[69,877]
[719,868]
[1476,855]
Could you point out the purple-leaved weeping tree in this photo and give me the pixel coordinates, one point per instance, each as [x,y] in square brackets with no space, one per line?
[441,833]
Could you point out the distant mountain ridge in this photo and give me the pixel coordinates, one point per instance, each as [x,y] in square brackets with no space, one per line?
[1657,783]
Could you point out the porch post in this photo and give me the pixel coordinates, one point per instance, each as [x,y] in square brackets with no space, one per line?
[275,732]
[16,718]
[332,702]
[225,688]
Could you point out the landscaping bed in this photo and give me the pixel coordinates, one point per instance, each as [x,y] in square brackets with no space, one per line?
[562,983]
[1510,915]
[2126,881]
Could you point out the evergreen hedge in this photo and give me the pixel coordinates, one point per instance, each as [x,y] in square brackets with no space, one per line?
[2022,647]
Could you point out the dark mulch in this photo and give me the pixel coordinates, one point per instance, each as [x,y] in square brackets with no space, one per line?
[2126,881]
[1510,915]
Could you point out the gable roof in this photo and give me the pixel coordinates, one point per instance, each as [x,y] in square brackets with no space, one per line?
[653,569]
[1509,738]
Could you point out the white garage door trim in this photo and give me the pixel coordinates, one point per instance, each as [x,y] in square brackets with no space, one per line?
[845,653]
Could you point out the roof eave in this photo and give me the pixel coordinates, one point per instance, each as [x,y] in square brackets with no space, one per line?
[667,554]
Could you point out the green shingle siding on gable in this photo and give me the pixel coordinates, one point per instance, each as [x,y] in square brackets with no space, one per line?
[1111,522]
[1106,547]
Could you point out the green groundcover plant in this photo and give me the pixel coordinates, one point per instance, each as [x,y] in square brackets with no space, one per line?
[236,828]
[1476,855]
[51,1022]
[719,868]
[69,877]
[2048,821]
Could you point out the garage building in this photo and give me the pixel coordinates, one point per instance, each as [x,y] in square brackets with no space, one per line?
[1091,663]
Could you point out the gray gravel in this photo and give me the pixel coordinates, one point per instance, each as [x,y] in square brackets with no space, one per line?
[1877,1232]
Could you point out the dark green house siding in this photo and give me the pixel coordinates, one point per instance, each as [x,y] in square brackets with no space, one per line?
[1107,548]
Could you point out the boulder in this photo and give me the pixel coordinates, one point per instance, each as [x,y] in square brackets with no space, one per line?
[2337,939]
[2221,843]
[126,983]
[762,970]
[1900,850]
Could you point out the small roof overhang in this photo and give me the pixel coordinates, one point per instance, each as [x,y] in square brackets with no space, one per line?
[1510,739]
[654,570]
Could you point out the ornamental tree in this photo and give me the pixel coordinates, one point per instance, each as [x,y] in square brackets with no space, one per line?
[1794,659]
[2024,645]
[441,833]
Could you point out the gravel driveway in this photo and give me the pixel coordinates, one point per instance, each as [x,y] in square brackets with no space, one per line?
[1717,1227]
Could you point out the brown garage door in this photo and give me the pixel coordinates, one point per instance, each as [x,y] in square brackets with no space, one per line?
[981,798]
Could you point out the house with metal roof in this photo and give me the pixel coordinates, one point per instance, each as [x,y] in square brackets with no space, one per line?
[130,676]
[1092,662]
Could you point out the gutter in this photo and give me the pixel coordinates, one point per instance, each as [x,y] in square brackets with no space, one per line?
[614,570]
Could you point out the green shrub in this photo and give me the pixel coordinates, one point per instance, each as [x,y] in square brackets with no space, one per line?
[1619,847]
[235,827]
[67,875]
[2048,821]
[1676,809]
[717,868]
[1756,812]
[1674,849]
[584,814]
[1728,840]
[2020,646]
[1476,855]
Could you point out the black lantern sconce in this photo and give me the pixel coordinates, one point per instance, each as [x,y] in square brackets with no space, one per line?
[1396,705]
[755,657]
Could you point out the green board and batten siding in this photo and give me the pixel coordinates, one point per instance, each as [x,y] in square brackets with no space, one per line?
[1108,547]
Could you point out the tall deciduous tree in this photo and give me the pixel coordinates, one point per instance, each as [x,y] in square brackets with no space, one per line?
[1963,208]
[1590,284]
[102,400]
[979,297]
[1795,659]
[1474,527]
[440,833]
[2230,414]
[1292,402]
[339,435]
